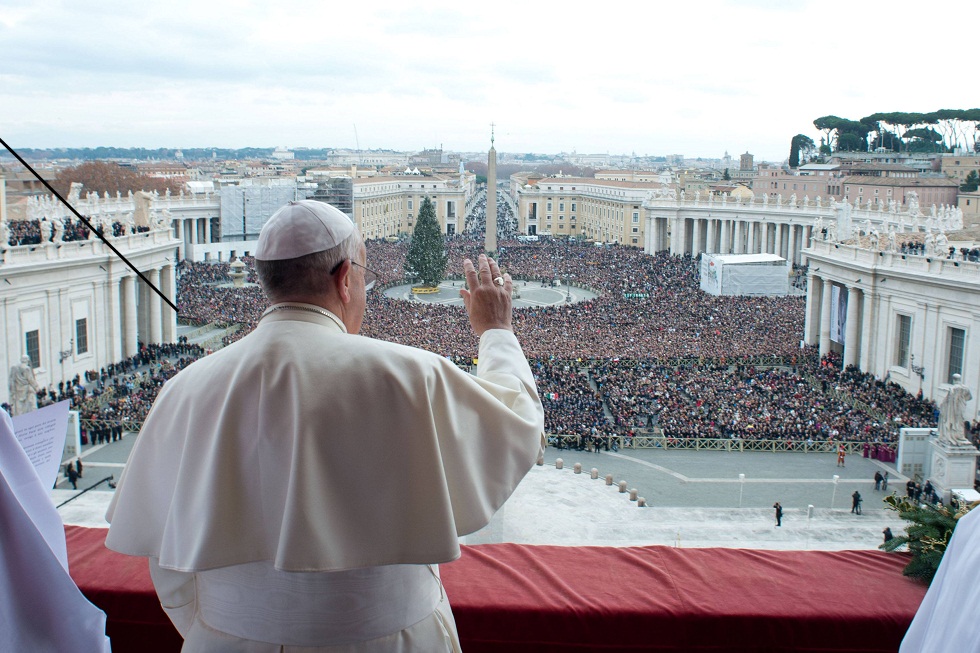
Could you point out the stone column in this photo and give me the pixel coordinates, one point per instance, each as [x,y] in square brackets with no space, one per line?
[778,250]
[726,237]
[207,230]
[114,320]
[791,250]
[168,285]
[697,244]
[851,327]
[130,334]
[738,246]
[753,236]
[710,245]
[156,325]
[825,317]
[867,302]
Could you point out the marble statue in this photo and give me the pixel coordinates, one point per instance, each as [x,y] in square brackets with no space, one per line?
[46,229]
[913,198]
[892,239]
[832,231]
[4,235]
[867,226]
[892,206]
[792,200]
[942,244]
[874,240]
[806,201]
[818,201]
[952,413]
[23,387]
[779,200]
[74,192]
[697,196]
[58,227]
[818,228]
[930,244]
[765,199]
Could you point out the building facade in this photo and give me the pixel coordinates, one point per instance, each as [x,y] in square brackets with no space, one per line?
[76,306]
[913,319]
[599,209]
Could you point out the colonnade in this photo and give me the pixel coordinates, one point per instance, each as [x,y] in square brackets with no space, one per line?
[727,235]
[857,319]
[138,313]
[192,231]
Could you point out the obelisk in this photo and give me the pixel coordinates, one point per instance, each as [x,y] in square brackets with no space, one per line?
[490,242]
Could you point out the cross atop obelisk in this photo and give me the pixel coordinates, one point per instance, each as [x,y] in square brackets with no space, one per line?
[490,242]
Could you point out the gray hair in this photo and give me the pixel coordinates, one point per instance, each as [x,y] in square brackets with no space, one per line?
[305,275]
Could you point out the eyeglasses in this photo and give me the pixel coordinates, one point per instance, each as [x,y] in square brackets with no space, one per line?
[370,276]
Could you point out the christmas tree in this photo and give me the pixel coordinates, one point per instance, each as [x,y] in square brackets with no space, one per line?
[427,257]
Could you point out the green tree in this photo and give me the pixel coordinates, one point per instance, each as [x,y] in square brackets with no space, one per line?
[971,183]
[427,257]
[800,150]
[726,176]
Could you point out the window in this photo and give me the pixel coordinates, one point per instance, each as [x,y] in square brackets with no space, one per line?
[561,207]
[81,336]
[636,230]
[636,217]
[410,207]
[33,347]
[957,338]
[549,206]
[904,338]
[573,207]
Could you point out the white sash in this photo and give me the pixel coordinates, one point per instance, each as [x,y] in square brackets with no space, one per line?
[257,602]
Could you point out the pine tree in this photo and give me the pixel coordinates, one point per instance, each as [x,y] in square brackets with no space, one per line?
[927,535]
[427,257]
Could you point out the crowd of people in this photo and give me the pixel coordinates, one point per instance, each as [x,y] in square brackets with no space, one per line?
[651,352]
[32,232]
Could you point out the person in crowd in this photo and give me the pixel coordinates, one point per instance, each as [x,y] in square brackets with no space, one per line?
[305,464]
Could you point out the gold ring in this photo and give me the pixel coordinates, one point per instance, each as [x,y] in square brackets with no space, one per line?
[499,281]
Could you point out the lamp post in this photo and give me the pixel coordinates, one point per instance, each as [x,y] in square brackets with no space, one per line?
[834,495]
[741,488]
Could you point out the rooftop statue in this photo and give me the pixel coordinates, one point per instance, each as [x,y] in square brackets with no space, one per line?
[952,412]
[23,387]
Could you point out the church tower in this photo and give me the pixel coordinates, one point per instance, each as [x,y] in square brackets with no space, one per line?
[490,243]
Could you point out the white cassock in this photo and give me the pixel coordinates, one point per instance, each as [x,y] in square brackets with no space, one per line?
[41,608]
[947,617]
[298,487]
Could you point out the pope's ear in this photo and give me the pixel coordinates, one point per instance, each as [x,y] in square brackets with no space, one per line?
[341,281]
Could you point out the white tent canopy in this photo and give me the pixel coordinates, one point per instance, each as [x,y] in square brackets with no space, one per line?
[744,274]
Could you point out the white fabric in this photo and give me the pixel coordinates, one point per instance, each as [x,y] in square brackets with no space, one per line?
[315,608]
[314,450]
[41,608]
[947,617]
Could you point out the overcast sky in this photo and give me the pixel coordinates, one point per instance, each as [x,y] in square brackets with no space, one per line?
[694,78]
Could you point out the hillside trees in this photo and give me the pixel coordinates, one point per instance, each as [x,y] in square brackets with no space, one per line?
[104,177]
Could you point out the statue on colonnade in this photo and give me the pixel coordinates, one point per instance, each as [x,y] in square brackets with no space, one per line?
[46,229]
[874,240]
[952,413]
[23,387]
[4,235]
[58,227]
[914,204]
